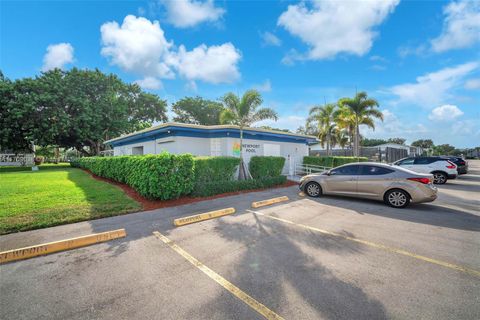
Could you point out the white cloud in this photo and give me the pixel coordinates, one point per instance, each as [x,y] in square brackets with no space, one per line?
[472,84]
[264,87]
[461,27]
[269,39]
[188,13]
[433,88]
[57,56]
[333,27]
[378,58]
[445,112]
[139,46]
[468,128]
[149,83]
[215,64]
[392,126]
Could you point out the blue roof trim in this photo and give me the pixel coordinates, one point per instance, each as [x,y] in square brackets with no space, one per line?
[209,133]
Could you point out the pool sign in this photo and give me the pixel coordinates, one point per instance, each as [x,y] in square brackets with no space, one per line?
[247,148]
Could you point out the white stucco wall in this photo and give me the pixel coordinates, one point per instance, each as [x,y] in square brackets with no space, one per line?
[292,152]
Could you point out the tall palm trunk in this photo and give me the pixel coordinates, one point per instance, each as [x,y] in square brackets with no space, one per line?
[243,173]
[328,144]
[357,140]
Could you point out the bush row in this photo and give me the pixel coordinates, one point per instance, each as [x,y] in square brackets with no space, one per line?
[164,176]
[218,187]
[263,167]
[215,169]
[332,161]
[167,176]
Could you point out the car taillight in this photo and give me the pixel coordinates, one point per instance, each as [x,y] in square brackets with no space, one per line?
[421,180]
[451,165]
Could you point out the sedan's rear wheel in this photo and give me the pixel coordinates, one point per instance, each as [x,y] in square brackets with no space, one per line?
[313,189]
[397,198]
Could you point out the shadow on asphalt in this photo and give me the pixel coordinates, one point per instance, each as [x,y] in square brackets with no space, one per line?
[460,187]
[274,262]
[431,213]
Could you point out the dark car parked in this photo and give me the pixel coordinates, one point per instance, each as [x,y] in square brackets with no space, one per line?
[462,165]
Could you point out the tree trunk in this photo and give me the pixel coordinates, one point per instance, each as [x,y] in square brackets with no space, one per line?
[328,144]
[357,140]
[243,173]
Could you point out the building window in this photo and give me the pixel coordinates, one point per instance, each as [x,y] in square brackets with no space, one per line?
[137,151]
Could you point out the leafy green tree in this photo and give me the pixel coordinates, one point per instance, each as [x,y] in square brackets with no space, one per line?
[274,129]
[443,150]
[324,118]
[243,112]
[372,142]
[196,110]
[74,109]
[364,111]
[397,140]
[307,130]
[17,116]
[425,144]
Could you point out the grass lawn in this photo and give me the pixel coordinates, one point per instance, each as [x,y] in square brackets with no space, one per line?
[56,195]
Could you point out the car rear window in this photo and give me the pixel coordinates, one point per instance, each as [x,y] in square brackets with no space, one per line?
[424,160]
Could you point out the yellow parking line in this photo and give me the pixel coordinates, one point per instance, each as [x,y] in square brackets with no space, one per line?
[472,272]
[254,304]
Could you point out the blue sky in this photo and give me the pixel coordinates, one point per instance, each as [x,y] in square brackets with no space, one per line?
[420,59]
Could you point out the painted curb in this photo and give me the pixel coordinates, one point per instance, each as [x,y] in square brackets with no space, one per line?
[269,202]
[203,216]
[62,245]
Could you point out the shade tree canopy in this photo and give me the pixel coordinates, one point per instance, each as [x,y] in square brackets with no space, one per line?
[73,109]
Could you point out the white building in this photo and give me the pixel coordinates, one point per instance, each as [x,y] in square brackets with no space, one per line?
[221,140]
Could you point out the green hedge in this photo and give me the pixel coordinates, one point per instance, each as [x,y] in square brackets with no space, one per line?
[218,187]
[167,176]
[331,161]
[209,169]
[164,176]
[263,167]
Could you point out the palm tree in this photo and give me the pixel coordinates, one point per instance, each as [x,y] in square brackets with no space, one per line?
[345,120]
[243,112]
[364,111]
[324,118]
[342,138]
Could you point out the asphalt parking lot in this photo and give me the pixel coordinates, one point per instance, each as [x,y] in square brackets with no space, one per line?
[325,258]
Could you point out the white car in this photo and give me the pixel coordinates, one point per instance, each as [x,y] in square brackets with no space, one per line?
[441,168]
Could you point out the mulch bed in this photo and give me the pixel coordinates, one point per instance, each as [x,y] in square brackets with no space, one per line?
[156,204]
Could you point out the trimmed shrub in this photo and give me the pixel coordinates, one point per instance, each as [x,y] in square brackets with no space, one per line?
[264,167]
[164,176]
[218,187]
[332,161]
[167,176]
[209,169]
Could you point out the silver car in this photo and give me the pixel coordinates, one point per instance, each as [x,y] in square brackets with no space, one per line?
[396,186]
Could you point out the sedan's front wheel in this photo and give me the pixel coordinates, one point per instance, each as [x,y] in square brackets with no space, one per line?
[397,198]
[313,189]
